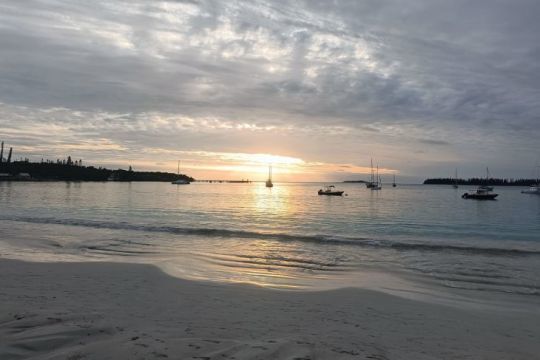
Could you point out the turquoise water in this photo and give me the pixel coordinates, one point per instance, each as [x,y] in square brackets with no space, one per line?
[287,236]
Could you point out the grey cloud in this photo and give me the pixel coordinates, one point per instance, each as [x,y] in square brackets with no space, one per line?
[434,142]
[460,67]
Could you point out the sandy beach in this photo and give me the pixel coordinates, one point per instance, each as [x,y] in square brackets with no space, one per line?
[126,311]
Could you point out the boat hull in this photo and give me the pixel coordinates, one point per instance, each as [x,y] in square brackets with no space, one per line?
[331,193]
[479,196]
[535,189]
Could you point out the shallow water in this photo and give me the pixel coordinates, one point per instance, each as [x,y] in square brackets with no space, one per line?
[287,236]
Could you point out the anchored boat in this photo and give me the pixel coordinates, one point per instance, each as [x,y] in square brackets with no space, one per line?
[180,181]
[482,193]
[535,188]
[331,191]
[269,183]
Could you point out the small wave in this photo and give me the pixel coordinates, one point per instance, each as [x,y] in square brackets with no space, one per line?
[320,239]
[276,261]
[108,249]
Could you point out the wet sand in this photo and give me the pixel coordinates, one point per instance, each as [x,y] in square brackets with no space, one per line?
[129,311]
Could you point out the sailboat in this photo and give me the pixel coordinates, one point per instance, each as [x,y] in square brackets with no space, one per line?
[455,184]
[534,188]
[269,183]
[378,184]
[372,183]
[487,186]
[394,182]
[180,181]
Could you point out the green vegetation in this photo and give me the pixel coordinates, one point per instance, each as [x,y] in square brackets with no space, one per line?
[481,181]
[68,170]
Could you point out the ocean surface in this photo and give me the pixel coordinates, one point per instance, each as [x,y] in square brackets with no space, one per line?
[285,237]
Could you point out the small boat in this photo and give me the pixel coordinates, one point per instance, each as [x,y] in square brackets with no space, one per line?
[487,187]
[533,189]
[180,181]
[331,191]
[480,194]
[455,184]
[394,182]
[377,185]
[269,183]
[371,183]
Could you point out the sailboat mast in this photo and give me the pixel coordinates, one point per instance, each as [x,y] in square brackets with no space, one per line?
[372,175]
[178,170]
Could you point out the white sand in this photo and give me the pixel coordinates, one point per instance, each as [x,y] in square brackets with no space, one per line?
[124,311]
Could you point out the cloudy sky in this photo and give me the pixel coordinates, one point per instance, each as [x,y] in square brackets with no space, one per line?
[315,87]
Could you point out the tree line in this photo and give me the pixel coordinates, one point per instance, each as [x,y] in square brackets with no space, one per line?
[69,170]
[481,181]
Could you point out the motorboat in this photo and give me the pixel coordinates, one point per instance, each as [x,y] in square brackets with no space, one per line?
[533,189]
[330,190]
[480,194]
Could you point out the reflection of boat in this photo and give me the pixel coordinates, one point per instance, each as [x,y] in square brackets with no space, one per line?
[330,190]
[480,194]
[269,181]
[180,181]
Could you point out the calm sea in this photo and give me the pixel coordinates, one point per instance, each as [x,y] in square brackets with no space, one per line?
[287,236]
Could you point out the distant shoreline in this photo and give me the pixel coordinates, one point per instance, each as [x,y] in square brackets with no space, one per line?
[480,181]
[57,171]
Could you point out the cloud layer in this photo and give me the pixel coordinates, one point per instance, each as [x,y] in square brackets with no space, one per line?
[424,88]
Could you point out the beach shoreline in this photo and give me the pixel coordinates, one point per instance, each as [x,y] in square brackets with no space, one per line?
[131,311]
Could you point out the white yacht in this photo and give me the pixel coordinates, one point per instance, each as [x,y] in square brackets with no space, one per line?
[533,189]
[180,181]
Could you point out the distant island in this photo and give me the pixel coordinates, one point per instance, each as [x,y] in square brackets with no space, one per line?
[481,181]
[355,181]
[69,170]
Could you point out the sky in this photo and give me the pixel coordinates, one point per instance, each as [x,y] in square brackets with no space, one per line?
[316,88]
